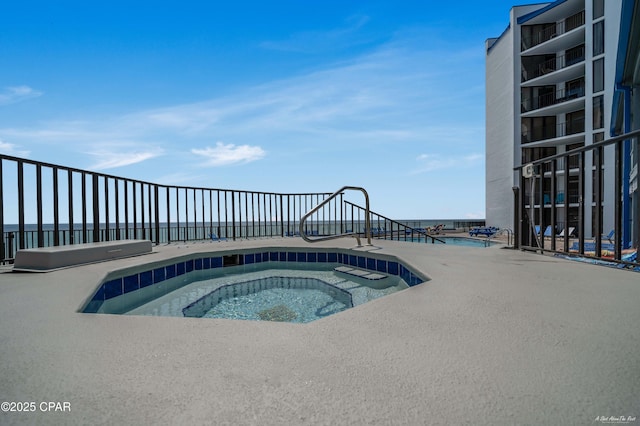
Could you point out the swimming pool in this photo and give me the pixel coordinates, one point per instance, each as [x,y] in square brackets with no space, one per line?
[459,241]
[289,285]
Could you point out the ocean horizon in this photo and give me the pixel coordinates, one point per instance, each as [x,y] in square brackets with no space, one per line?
[415,223]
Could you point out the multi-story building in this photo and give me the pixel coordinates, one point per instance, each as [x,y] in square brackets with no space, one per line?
[550,84]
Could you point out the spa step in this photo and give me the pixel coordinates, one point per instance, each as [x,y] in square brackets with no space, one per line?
[362,273]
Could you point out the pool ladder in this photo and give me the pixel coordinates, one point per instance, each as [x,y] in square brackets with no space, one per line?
[367,219]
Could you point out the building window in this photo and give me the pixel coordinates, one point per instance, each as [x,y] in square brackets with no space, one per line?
[538,128]
[598,8]
[598,112]
[574,123]
[598,137]
[574,89]
[598,75]
[598,38]
[574,55]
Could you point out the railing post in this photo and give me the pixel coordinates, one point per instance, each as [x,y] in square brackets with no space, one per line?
[597,218]
[157,212]
[116,185]
[567,168]
[21,230]
[56,218]
[581,201]
[84,207]
[96,211]
[618,200]
[107,219]
[517,215]
[168,215]
[39,205]
[541,212]
[233,215]
[72,237]
[126,209]
[10,245]
[552,195]
[2,240]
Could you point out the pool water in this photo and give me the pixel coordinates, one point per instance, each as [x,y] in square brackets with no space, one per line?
[278,304]
[305,295]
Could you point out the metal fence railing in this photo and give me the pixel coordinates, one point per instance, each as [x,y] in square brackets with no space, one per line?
[43,205]
[603,223]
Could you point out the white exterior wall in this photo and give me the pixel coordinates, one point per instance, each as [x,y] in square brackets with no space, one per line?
[499,131]
[502,140]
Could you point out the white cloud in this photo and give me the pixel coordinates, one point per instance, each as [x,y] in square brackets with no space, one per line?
[12,95]
[432,162]
[10,149]
[112,160]
[222,155]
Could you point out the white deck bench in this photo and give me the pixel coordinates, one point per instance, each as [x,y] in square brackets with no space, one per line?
[49,258]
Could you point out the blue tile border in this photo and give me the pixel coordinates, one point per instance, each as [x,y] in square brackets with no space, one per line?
[112,288]
[146,278]
[119,286]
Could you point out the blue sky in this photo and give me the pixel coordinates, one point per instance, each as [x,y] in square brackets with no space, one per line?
[268,96]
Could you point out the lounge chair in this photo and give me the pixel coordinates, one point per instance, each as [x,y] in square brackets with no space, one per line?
[571,232]
[214,237]
[378,231]
[591,246]
[486,231]
[548,232]
[609,236]
[435,230]
[630,257]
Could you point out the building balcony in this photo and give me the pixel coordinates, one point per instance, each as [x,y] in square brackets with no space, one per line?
[549,71]
[566,133]
[553,99]
[554,31]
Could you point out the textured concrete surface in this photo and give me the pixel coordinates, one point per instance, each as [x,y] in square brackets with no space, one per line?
[496,337]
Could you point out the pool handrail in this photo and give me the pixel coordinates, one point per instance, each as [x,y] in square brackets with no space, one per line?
[367,220]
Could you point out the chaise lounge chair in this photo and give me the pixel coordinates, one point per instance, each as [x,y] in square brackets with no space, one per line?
[571,232]
[214,237]
[548,232]
[609,236]
[486,231]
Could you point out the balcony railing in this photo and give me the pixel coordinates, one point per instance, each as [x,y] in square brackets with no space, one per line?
[553,98]
[552,31]
[555,64]
[540,133]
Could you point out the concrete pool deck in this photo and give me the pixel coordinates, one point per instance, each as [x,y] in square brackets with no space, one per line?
[496,337]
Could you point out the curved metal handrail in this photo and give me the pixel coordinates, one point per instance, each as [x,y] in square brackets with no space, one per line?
[367,220]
